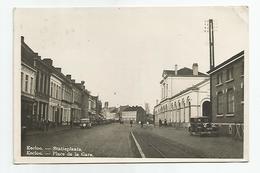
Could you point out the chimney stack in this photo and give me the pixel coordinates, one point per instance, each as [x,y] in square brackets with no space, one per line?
[176,69]
[157,101]
[73,80]
[106,104]
[82,82]
[58,69]
[195,69]
[48,61]
[68,76]
[22,39]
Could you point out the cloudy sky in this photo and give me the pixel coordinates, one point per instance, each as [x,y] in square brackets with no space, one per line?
[121,52]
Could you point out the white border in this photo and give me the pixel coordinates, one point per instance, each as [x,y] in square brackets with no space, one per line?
[6,130]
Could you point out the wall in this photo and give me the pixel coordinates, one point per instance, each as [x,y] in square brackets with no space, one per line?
[237,85]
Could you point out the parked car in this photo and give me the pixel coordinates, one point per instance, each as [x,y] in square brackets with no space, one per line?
[85,123]
[201,126]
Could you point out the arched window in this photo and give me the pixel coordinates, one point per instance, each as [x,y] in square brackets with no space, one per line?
[230,101]
[220,103]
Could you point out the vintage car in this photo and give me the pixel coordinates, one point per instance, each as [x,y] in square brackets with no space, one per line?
[201,126]
[85,123]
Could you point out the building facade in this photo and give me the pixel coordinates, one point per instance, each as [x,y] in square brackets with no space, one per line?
[189,103]
[28,78]
[134,113]
[184,94]
[228,95]
[49,95]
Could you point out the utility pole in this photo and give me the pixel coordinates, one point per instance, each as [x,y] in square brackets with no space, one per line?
[209,27]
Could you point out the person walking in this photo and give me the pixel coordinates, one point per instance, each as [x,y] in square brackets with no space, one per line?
[160,122]
[165,122]
[131,123]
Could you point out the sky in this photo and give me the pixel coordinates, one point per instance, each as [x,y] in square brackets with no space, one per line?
[121,53]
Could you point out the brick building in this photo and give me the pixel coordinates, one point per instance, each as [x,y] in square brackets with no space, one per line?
[228,95]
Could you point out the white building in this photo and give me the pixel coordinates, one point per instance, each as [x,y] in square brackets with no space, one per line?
[185,93]
[55,113]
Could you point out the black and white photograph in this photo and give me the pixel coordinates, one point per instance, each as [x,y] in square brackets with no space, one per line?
[131,84]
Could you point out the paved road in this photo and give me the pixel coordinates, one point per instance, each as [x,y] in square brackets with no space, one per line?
[102,141]
[115,140]
[172,143]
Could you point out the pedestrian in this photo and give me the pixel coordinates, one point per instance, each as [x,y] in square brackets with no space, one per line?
[47,124]
[160,122]
[131,122]
[165,122]
[71,123]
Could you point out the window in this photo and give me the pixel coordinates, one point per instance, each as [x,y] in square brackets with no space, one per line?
[220,100]
[22,81]
[230,101]
[219,78]
[43,83]
[51,89]
[26,83]
[242,69]
[242,90]
[229,74]
[31,85]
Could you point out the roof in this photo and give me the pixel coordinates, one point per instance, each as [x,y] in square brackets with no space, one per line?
[112,109]
[194,87]
[133,108]
[230,60]
[182,72]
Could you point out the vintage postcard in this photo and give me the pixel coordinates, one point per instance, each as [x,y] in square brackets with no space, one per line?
[131,84]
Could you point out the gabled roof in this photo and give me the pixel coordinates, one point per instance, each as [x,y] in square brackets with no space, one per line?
[193,87]
[230,60]
[182,72]
[133,108]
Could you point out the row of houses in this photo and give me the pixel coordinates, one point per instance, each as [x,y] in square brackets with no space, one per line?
[219,95]
[49,95]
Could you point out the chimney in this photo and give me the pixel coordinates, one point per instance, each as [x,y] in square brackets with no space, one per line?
[176,69]
[106,104]
[68,76]
[157,101]
[58,69]
[48,61]
[22,39]
[195,69]
[82,82]
[73,80]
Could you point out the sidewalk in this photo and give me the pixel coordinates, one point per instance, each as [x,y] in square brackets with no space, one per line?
[50,130]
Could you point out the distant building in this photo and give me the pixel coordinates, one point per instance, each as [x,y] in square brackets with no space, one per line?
[228,95]
[110,113]
[184,94]
[135,113]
